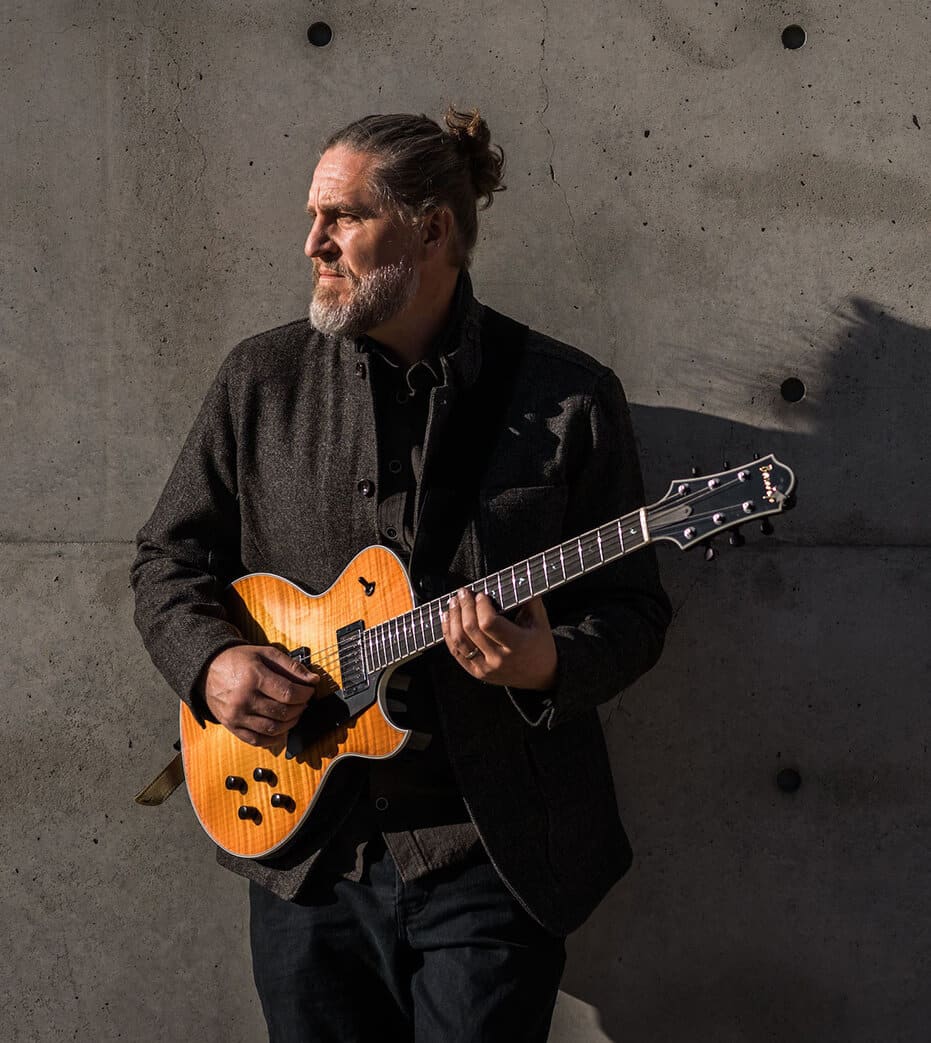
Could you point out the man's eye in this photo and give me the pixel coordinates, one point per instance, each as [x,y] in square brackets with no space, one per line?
[348,218]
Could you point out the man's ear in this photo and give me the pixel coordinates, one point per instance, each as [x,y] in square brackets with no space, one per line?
[437,230]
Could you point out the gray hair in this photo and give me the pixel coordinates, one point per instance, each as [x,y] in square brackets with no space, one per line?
[419,167]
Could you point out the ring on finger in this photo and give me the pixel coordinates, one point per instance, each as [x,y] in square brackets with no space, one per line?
[472,654]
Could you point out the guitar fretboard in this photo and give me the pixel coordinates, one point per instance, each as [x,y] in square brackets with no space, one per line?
[406,636]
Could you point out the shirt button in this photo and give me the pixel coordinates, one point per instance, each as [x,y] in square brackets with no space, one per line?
[366,487]
[381,804]
[360,370]
[394,466]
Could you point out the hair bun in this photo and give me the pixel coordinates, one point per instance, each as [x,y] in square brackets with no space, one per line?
[486,161]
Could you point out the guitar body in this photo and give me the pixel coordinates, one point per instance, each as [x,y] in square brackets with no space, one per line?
[270,610]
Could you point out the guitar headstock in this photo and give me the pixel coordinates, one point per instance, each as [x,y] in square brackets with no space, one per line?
[696,508]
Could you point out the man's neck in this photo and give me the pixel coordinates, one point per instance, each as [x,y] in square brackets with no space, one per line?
[409,335]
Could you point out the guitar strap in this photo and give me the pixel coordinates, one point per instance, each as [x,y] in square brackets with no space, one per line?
[452,481]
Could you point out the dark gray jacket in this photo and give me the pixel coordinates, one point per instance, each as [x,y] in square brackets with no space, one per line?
[274,478]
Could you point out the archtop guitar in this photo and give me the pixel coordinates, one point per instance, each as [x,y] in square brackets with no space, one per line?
[252,800]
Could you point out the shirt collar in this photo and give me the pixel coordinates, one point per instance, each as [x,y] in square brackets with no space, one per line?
[453,357]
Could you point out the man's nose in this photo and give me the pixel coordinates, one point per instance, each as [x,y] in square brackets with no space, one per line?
[319,243]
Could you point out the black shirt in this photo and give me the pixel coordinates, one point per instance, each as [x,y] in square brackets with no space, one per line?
[411,800]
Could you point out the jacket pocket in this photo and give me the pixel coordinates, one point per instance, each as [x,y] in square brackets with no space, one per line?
[519,521]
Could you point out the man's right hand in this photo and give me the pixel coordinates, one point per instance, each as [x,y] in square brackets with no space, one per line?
[258,692]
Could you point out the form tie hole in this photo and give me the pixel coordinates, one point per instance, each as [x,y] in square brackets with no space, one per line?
[319,34]
[792,390]
[793,37]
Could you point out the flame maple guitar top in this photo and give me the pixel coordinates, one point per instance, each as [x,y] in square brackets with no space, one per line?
[270,610]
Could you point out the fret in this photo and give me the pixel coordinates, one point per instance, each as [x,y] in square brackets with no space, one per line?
[562,562]
[365,643]
[612,542]
[591,550]
[384,648]
[514,585]
[601,553]
[581,559]
[529,578]
[541,578]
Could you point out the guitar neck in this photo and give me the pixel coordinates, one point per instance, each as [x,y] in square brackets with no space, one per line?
[406,636]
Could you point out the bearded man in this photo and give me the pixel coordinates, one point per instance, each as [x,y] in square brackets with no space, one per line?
[430,894]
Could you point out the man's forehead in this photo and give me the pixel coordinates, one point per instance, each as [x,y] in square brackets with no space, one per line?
[342,176]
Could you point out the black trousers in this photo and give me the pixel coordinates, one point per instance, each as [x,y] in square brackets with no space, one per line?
[452,958]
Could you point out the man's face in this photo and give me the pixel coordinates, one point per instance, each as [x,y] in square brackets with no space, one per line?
[364,257]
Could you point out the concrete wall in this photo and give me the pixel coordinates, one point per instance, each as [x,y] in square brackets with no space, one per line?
[697,205]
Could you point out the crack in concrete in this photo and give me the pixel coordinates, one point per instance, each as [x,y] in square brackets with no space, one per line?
[176,111]
[573,231]
[676,610]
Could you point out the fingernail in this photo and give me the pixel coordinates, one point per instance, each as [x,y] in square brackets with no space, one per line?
[444,616]
[462,594]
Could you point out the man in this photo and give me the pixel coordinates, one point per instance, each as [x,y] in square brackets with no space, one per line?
[430,894]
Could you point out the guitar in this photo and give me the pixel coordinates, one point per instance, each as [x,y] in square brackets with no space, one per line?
[252,800]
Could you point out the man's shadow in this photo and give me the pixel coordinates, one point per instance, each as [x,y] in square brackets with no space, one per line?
[857,440]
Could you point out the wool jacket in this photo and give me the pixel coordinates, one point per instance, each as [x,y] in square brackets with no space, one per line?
[277,475]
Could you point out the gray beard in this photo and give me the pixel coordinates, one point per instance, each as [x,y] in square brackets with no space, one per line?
[373,299]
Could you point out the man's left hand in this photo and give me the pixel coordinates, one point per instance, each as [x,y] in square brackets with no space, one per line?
[491,648]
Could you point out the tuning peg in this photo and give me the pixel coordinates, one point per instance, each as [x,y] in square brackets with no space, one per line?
[789,502]
[736,538]
[710,551]
[766,527]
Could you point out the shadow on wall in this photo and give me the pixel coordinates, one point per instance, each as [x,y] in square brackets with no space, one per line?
[858,438]
[858,441]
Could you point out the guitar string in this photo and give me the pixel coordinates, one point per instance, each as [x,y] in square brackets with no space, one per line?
[329,655]
[587,542]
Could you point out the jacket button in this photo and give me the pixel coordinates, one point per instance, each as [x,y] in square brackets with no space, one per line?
[366,487]
[360,370]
